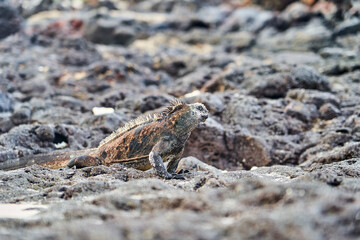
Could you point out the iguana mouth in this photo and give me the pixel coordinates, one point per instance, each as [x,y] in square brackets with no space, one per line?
[201,124]
[204,117]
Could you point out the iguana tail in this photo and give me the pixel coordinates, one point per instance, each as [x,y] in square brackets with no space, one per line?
[52,160]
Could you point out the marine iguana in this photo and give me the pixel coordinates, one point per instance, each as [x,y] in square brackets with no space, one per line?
[144,143]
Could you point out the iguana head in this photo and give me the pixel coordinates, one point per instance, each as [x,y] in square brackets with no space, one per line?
[186,117]
[199,112]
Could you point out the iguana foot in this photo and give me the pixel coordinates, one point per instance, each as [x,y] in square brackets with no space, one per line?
[83,161]
[174,176]
[182,171]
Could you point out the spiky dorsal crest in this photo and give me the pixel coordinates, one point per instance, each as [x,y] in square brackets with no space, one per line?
[175,105]
[141,120]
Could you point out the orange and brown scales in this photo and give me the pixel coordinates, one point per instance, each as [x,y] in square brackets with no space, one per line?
[132,144]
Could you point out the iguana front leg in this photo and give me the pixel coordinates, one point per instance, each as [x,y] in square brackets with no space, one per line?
[174,162]
[164,147]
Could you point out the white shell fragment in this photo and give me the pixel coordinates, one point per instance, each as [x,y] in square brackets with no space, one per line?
[102,111]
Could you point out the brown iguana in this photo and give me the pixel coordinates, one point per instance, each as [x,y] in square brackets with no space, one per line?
[144,143]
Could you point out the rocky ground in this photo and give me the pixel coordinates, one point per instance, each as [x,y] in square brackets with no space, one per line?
[279,157]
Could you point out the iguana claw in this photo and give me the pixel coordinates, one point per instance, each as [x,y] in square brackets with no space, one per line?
[175,176]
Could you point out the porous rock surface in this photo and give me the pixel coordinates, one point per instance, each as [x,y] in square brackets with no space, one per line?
[278,158]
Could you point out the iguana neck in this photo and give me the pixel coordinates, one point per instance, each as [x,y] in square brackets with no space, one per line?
[182,125]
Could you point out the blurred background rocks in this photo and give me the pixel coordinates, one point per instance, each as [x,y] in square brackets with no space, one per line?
[279,78]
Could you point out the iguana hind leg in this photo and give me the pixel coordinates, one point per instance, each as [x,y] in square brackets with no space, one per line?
[84,161]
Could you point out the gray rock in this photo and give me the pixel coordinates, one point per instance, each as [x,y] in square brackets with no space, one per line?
[194,164]
[56,115]
[10,22]
[328,111]
[99,31]
[333,52]
[152,102]
[314,97]
[208,145]
[226,149]
[266,120]
[247,19]
[313,36]
[70,103]
[273,4]
[110,99]
[5,122]
[33,139]
[273,86]
[251,151]
[108,31]
[76,52]
[213,103]
[297,58]
[238,41]
[102,201]
[21,115]
[5,103]
[350,150]
[307,77]
[108,123]
[123,36]
[339,173]
[304,112]
[193,81]
[45,133]
[296,12]
[213,15]
[349,26]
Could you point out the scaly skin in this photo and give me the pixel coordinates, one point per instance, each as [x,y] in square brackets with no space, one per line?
[143,145]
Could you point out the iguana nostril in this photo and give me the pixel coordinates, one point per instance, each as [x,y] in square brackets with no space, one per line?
[204,117]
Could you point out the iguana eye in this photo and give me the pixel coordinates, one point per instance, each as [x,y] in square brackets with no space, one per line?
[200,108]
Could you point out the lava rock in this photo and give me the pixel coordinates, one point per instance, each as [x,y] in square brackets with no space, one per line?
[193,81]
[108,31]
[108,123]
[295,13]
[303,112]
[154,102]
[247,19]
[21,115]
[334,52]
[10,22]
[328,111]
[213,103]
[314,97]
[251,151]
[45,133]
[306,77]
[5,122]
[273,86]
[124,36]
[5,103]
[213,15]
[350,150]
[310,37]
[237,41]
[273,4]
[215,145]
[350,26]
[208,145]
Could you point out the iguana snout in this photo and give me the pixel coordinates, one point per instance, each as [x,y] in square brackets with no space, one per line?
[200,111]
